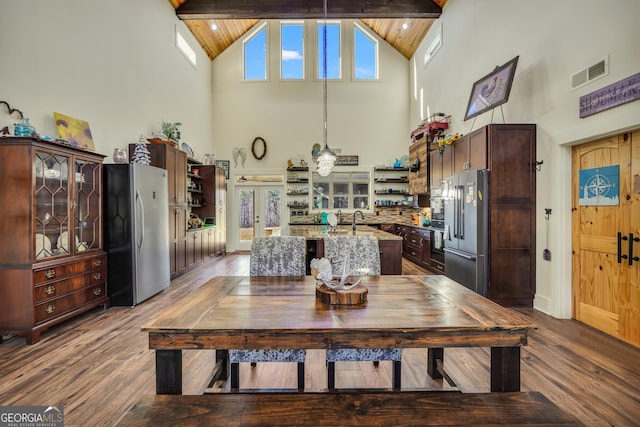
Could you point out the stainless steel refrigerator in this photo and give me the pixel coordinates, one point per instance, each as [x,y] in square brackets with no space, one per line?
[466,233]
[136,231]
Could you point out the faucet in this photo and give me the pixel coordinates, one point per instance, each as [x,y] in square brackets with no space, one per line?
[353,224]
[339,215]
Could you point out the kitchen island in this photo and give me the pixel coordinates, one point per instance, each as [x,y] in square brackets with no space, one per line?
[390,244]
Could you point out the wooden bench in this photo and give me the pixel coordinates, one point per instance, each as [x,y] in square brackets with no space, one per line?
[347,409]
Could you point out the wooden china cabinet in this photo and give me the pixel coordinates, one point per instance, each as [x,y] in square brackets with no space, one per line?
[52,265]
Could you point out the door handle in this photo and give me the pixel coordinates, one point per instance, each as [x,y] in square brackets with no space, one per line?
[620,255]
[631,257]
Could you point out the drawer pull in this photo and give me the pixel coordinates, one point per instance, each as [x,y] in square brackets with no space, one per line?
[50,290]
[50,274]
[97,291]
[97,262]
[97,276]
[50,308]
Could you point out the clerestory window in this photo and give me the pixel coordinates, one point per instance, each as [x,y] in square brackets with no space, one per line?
[292,50]
[333,55]
[365,57]
[255,55]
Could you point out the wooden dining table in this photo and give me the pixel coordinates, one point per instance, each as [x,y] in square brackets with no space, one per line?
[432,312]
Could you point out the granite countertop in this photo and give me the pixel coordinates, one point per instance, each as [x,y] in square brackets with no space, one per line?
[317,232]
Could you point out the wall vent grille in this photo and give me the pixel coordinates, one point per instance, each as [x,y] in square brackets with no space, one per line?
[589,74]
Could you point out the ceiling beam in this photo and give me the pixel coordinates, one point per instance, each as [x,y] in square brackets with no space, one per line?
[307,9]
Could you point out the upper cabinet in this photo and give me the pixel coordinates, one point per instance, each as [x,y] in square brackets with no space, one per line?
[470,152]
[418,167]
[52,265]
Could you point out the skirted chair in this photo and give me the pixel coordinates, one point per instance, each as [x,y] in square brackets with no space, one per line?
[273,256]
[362,257]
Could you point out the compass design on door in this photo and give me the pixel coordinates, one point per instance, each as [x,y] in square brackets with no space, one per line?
[600,186]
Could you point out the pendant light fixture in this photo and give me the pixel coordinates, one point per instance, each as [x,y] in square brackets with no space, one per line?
[326,157]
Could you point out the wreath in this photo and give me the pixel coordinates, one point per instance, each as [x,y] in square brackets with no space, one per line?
[264,148]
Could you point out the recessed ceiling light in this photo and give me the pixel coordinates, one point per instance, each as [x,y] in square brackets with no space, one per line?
[214,26]
[405,26]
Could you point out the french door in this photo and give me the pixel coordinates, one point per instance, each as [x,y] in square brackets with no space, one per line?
[606,231]
[259,213]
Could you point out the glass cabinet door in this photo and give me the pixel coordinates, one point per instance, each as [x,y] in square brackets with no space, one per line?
[51,205]
[87,205]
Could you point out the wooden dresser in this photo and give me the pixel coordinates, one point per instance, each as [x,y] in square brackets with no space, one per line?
[52,265]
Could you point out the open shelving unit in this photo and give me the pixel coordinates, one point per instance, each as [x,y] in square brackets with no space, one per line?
[298,190]
[391,186]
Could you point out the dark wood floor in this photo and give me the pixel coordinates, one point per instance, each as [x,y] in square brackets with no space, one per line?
[98,365]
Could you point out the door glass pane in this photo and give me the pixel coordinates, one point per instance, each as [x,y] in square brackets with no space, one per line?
[51,219]
[272,211]
[87,218]
[246,210]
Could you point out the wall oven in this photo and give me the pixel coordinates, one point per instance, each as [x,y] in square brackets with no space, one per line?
[437,225]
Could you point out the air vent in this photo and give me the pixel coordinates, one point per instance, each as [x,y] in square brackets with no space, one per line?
[589,74]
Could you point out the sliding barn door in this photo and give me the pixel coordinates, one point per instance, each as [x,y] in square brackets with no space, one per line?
[606,255]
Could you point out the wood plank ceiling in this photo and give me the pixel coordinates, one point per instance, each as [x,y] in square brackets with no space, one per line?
[233,18]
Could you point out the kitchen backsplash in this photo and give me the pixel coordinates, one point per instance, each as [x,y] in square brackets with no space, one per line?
[387,215]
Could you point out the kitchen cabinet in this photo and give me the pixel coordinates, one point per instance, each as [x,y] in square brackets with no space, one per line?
[195,247]
[470,152]
[511,160]
[440,166]
[419,165]
[508,152]
[390,246]
[193,188]
[52,262]
[389,228]
[416,244]
[212,207]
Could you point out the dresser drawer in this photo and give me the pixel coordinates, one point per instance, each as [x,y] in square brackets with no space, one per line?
[53,289]
[59,306]
[65,270]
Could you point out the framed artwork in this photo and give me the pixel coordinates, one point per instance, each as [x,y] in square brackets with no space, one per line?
[491,90]
[600,186]
[75,131]
[224,164]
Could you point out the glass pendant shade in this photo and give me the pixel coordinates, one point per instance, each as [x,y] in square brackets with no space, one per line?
[326,160]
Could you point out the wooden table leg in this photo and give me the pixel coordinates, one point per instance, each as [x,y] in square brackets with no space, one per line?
[168,371]
[433,355]
[505,369]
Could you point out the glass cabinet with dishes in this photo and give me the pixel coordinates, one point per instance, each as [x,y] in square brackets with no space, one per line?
[52,265]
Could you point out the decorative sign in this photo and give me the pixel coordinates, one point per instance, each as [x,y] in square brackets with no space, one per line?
[600,186]
[615,94]
[224,164]
[346,161]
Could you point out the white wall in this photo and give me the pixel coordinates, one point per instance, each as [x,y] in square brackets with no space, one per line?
[111,63]
[554,40]
[369,119]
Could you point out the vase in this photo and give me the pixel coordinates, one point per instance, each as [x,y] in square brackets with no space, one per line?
[120,155]
[23,128]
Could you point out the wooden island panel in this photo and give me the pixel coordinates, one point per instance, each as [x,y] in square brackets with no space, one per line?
[390,244]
